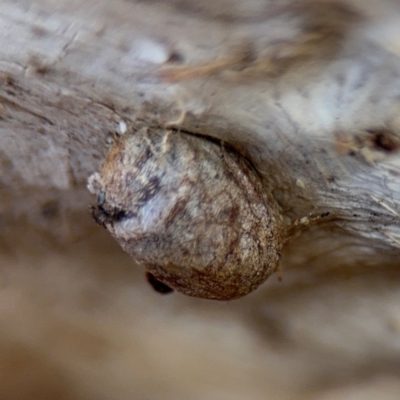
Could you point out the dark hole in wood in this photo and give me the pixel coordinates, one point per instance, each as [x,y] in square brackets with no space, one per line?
[383,140]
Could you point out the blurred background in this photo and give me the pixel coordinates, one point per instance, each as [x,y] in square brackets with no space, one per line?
[79,321]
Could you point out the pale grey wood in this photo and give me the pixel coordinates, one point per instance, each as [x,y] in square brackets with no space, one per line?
[72,71]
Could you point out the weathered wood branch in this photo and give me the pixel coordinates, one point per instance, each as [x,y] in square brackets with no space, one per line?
[321,125]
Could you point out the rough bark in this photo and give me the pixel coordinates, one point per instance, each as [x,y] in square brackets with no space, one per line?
[321,125]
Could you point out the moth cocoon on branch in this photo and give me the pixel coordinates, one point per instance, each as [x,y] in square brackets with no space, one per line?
[191,211]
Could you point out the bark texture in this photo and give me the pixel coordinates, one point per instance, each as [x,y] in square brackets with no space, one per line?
[309,93]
